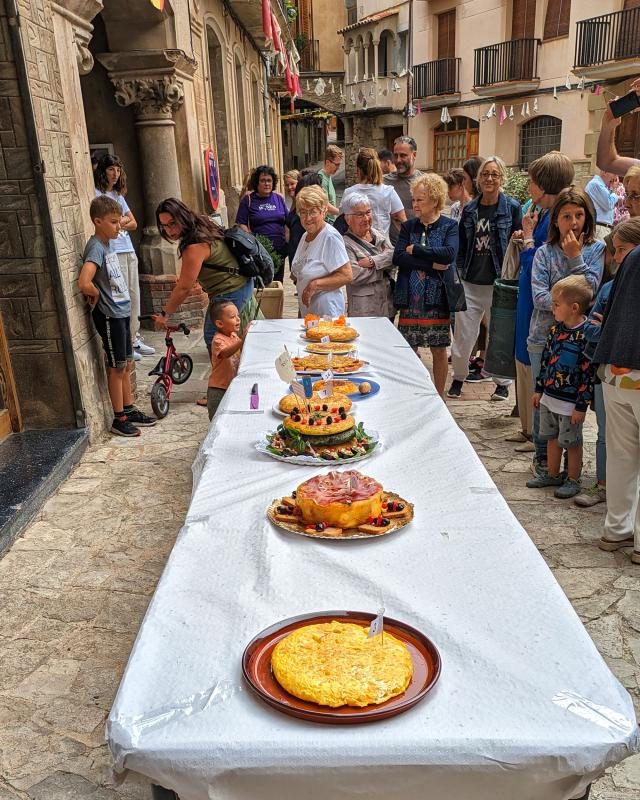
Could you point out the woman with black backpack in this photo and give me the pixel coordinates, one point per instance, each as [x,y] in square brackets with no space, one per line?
[206,259]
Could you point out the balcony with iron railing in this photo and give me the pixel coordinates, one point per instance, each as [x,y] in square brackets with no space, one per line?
[506,68]
[437,83]
[608,46]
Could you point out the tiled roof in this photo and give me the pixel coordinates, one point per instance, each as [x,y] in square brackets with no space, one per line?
[389,12]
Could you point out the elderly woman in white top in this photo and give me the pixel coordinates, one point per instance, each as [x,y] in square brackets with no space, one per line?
[321,265]
[369,294]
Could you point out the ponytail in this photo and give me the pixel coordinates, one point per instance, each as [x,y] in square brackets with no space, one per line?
[369,165]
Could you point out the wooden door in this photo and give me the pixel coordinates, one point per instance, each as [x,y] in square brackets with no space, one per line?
[391,134]
[447,34]
[523,20]
[10,417]
[627,136]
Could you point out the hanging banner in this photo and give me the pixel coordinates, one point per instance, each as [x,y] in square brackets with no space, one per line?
[212,178]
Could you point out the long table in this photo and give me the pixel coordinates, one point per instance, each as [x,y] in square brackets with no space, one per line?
[525,706]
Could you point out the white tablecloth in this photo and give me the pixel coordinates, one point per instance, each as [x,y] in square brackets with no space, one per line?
[525,707]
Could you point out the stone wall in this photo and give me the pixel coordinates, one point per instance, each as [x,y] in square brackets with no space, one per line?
[27,269]
[366,133]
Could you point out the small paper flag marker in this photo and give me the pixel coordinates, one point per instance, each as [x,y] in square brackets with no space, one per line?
[377,625]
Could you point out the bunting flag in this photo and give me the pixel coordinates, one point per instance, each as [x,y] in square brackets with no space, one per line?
[568,83]
[395,86]
[320,87]
[333,91]
[598,90]
[523,112]
[445,116]
[159,4]
[419,107]
[372,91]
[308,85]
[503,115]
[581,84]
[492,111]
[528,112]
[266,18]
[511,113]
[535,105]
[555,93]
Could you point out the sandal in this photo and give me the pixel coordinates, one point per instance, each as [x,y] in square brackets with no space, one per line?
[202,401]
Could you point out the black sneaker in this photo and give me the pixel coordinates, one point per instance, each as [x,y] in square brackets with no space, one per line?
[138,418]
[501,393]
[122,427]
[455,389]
[477,376]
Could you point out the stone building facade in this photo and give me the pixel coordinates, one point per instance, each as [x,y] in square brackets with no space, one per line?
[82,77]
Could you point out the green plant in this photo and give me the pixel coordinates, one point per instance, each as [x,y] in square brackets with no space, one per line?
[301,41]
[291,10]
[278,260]
[517,185]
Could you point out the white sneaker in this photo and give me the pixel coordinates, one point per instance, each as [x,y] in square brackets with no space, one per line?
[142,348]
[137,356]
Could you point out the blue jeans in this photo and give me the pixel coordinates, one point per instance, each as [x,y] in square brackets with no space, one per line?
[601,443]
[540,444]
[240,297]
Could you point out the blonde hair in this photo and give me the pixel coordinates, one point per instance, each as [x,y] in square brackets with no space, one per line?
[294,174]
[434,187]
[332,152]
[574,289]
[502,169]
[369,165]
[632,172]
[312,197]
[629,231]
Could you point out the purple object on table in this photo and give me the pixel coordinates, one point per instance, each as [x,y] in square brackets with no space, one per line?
[255,398]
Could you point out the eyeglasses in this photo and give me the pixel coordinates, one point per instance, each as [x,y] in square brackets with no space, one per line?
[360,213]
[494,176]
[309,213]
[166,225]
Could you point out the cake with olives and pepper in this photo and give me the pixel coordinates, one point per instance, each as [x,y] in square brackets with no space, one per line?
[330,404]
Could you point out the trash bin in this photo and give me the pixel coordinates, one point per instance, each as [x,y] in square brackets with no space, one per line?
[500,360]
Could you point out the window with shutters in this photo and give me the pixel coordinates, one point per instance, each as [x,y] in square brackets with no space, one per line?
[454,142]
[523,19]
[538,137]
[447,34]
[556,21]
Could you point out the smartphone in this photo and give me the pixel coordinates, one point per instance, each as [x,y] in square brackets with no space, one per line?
[624,105]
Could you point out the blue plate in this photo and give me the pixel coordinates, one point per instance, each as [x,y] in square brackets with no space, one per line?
[375,387]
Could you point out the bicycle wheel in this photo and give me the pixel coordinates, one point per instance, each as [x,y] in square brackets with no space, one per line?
[181,368]
[159,400]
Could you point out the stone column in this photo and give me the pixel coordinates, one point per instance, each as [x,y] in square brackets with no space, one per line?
[151,82]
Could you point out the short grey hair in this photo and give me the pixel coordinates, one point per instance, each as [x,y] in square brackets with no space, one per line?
[350,202]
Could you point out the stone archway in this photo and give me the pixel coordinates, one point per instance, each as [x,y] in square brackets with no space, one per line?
[217,58]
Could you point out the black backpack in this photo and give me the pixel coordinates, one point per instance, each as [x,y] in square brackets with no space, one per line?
[253,259]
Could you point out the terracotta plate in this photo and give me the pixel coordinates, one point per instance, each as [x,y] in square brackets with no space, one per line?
[347,533]
[256,668]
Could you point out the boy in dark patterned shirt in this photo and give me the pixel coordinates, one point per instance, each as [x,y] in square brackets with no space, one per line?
[564,386]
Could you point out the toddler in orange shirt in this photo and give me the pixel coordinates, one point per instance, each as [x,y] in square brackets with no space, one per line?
[225,352]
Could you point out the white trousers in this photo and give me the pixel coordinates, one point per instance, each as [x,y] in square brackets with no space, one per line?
[623,463]
[467,328]
[129,270]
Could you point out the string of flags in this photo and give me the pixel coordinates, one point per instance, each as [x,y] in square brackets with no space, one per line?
[508,113]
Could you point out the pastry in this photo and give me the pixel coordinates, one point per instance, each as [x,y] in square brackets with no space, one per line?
[321,434]
[330,347]
[319,363]
[365,387]
[339,499]
[340,386]
[336,664]
[330,404]
[336,333]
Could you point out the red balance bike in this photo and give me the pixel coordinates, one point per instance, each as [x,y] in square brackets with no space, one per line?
[173,367]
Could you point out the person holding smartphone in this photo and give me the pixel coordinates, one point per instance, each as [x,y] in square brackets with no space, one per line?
[608,158]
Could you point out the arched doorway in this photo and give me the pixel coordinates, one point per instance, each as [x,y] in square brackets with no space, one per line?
[539,136]
[220,116]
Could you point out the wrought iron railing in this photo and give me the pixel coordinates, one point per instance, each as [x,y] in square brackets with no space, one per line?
[310,56]
[516,60]
[610,37]
[439,77]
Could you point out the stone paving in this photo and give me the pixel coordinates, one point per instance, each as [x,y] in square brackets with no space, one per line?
[74,587]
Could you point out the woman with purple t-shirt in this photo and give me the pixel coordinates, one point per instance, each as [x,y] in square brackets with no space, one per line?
[263,211]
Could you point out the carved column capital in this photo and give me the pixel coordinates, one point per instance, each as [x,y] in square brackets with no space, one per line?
[151,80]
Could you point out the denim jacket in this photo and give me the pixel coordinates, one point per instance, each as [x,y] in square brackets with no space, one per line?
[507,220]
[441,248]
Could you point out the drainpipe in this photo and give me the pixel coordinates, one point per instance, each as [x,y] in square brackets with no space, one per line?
[265,111]
[410,64]
[38,167]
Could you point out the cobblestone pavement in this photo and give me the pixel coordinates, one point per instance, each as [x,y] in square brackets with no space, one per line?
[74,587]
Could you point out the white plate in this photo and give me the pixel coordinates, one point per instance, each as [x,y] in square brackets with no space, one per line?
[305,461]
[276,410]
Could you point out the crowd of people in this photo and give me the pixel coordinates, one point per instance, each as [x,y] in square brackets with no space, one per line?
[425,252]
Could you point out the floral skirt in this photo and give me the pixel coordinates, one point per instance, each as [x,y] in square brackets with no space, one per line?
[426,328]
